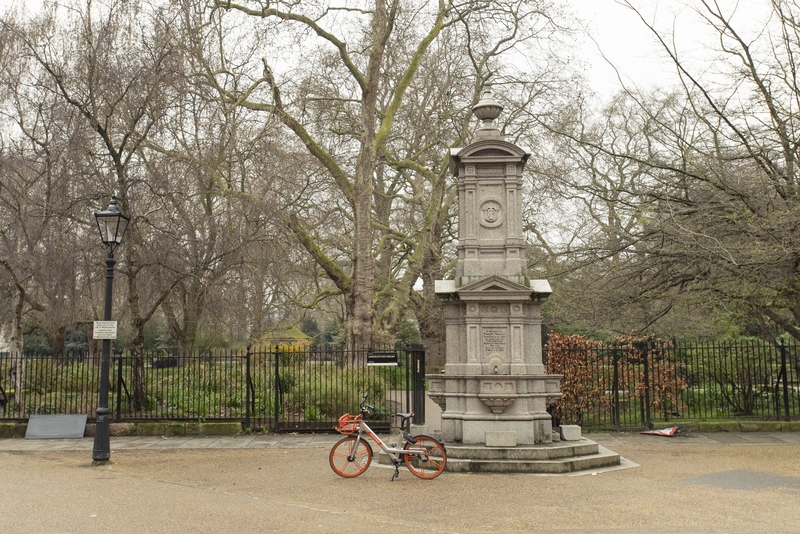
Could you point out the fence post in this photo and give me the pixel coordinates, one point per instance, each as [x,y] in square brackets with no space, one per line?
[276,408]
[118,418]
[17,371]
[419,386]
[615,385]
[247,388]
[785,381]
[665,360]
[647,385]
[409,381]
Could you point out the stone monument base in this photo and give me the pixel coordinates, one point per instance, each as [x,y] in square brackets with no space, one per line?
[550,458]
[495,409]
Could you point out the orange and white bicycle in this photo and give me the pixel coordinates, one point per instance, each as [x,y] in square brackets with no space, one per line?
[423,455]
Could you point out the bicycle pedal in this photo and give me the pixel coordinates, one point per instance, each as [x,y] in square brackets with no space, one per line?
[393,445]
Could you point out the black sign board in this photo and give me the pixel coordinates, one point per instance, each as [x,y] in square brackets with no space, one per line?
[382,357]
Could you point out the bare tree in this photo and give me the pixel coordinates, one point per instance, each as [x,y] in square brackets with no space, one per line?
[714,203]
[111,63]
[42,237]
[350,88]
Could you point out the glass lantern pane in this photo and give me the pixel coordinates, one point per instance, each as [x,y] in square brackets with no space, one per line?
[109,229]
[111,223]
[121,226]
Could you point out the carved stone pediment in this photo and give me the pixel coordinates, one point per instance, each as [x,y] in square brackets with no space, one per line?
[493,283]
[497,287]
[493,149]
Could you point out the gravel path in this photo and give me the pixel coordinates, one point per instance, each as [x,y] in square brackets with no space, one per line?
[730,483]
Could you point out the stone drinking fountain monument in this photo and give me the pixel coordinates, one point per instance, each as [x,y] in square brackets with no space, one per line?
[494,389]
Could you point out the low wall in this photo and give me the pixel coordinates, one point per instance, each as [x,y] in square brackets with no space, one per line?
[17,430]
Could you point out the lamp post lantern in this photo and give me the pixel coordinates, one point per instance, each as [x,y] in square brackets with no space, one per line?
[112,225]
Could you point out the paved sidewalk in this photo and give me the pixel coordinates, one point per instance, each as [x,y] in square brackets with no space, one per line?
[736,482]
[286,441]
[616,439]
[609,440]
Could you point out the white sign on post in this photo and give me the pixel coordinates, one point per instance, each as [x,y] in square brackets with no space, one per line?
[105,330]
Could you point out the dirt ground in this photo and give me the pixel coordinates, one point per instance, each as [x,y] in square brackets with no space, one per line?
[709,488]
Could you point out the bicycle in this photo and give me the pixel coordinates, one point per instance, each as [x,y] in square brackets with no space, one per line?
[423,455]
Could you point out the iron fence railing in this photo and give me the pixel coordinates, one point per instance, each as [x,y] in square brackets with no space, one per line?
[281,388]
[641,385]
[284,388]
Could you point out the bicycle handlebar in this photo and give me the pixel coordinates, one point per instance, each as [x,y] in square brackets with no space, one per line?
[365,408]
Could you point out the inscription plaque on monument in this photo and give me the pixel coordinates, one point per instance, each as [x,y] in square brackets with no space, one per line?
[494,340]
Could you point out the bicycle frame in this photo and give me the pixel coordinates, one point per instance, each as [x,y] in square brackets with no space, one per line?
[363,428]
[424,456]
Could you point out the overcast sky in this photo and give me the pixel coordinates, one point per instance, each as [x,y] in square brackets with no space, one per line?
[630,46]
[624,40]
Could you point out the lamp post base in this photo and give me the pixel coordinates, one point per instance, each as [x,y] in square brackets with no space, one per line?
[101,453]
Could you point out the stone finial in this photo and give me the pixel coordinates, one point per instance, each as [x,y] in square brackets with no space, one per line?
[487,110]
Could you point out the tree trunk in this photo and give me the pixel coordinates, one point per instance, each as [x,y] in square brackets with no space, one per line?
[17,369]
[430,317]
[184,326]
[57,342]
[361,311]
[137,344]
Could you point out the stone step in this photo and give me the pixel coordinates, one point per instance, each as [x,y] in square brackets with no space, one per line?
[546,451]
[599,460]
[552,458]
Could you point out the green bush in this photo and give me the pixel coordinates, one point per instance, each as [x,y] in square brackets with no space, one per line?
[312,413]
[742,381]
[332,391]
[310,389]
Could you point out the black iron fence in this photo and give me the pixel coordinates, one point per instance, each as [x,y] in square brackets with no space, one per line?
[646,384]
[287,388]
[282,388]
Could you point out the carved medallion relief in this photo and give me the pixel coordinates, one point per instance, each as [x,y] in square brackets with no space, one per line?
[491,214]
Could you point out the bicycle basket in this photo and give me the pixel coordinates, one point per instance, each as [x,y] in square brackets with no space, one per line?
[348,425]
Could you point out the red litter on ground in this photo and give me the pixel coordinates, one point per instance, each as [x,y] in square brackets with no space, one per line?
[669,432]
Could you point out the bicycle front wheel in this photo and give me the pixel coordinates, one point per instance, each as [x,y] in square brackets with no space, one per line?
[350,457]
[431,463]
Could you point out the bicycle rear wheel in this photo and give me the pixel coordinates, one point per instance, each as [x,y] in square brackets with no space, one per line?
[429,465]
[350,457]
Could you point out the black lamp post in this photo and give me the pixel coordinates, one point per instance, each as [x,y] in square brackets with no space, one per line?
[112,225]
